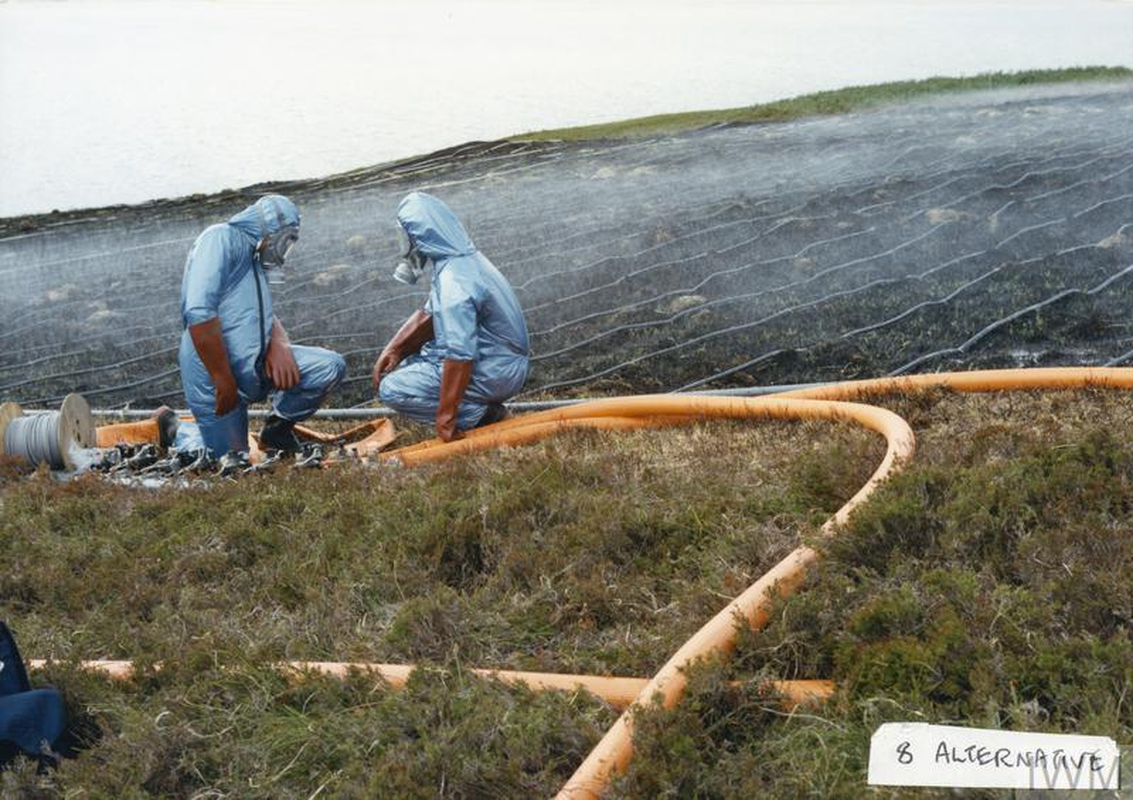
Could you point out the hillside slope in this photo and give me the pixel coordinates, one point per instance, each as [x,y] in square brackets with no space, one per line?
[979,229]
[985,585]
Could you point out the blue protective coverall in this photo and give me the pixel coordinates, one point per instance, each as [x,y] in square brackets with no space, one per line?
[30,719]
[221,277]
[476,317]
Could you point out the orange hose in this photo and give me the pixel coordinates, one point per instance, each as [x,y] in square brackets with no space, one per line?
[645,411]
[618,692]
[988,380]
[615,749]
[435,450]
[142,432]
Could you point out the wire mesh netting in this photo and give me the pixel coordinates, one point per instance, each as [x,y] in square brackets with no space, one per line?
[973,231]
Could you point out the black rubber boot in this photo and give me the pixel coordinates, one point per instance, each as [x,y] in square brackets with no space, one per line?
[497,412]
[167,424]
[279,434]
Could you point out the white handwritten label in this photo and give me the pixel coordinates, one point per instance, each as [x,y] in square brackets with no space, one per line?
[919,754]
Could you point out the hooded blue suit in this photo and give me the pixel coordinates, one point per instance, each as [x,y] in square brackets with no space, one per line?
[476,317]
[223,278]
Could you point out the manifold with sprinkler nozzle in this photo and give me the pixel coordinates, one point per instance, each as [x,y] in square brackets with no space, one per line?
[54,438]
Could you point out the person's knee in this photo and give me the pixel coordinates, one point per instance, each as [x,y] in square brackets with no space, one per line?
[401,389]
[327,368]
[337,368]
[388,391]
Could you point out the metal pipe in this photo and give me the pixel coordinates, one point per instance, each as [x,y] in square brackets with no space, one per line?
[520,407]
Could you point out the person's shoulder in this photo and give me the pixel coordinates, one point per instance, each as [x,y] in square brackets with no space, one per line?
[458,280]
[487,267]
[217,239]
[452,271]
[218,234]
[218,229]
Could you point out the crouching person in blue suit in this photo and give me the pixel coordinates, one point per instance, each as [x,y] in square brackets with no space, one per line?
[233,349]
[454,362]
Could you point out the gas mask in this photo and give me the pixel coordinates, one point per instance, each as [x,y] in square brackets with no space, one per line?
[411,265]
[275,247]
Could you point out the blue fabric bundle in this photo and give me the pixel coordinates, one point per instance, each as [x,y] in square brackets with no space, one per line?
[32,720]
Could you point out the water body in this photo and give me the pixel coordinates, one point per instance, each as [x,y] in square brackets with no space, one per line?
[121,101]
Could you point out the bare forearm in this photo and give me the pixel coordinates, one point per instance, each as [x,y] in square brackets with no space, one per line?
[409,339]
[209,344]
[412,335]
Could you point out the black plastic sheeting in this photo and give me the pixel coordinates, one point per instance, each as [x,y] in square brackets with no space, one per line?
[981,230]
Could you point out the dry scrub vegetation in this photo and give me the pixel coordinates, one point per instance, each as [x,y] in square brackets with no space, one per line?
[988,584]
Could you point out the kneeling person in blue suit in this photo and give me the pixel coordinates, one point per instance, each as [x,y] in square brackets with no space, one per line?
[454,362]
[233,349]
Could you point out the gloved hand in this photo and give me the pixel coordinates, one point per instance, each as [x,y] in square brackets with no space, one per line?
[209,344]
[409,339]
[455,377]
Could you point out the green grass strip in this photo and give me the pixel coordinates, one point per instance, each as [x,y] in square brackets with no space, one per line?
[838,101]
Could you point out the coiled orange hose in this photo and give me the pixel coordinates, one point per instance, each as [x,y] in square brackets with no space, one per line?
[615,749]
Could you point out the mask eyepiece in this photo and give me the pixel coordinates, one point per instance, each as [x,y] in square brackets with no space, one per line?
[411,264]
